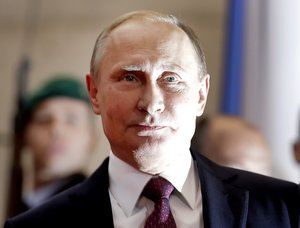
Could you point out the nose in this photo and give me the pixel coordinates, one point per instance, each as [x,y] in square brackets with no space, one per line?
[56,129]
[151,100]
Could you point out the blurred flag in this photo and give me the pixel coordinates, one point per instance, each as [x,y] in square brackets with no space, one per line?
[233,60]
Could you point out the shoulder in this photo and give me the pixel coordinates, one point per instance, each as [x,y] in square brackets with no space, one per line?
[265,200]
[45,215]
[252,182]
[74,207]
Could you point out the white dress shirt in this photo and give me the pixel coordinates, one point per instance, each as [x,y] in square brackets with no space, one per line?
[130,209]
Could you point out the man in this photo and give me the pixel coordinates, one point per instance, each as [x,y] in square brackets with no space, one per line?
[58,136]
[148,81]
[233,142]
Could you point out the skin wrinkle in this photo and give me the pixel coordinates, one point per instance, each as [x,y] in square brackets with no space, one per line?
[171,67]
[160,47]
[146,16]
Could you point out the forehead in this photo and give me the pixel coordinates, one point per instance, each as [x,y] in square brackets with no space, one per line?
[60,104]
[147,33]
[142,40]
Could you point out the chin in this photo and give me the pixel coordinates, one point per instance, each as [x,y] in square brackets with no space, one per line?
[153,157]
[56,172]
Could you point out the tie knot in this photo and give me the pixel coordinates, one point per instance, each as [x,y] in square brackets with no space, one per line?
[158,188]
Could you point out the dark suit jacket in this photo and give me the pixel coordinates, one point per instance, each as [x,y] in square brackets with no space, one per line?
[69,182]
[231,198]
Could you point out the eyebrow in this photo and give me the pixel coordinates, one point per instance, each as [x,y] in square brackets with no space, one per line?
[141,67]
[132,68]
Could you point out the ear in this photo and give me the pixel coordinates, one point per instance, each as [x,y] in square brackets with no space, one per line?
[203,92]
[93,91]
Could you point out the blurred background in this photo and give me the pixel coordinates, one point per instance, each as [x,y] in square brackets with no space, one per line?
[252,51]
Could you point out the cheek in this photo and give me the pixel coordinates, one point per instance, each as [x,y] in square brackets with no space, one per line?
[80,150]
[183,110]
[117,104]
[184,104]
[36,139]
[113,110]
[79,138]
[113,113]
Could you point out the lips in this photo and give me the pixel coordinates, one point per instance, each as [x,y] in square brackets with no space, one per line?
[149,127]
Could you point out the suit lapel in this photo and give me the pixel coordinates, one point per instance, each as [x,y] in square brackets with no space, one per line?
[93,199]
[224,205]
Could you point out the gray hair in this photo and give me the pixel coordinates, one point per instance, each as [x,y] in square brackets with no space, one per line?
[99,48]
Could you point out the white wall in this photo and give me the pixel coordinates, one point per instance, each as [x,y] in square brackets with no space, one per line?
[272,78]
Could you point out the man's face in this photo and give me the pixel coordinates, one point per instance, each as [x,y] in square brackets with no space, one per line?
[148,93]
[59,136]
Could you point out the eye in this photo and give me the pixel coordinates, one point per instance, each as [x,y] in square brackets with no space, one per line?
[41,118]
[170,78]
[129,80]
[129,77]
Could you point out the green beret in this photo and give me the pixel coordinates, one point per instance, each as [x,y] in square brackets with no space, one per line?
[60,86]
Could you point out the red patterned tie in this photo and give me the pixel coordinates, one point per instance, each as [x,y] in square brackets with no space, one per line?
[159,190]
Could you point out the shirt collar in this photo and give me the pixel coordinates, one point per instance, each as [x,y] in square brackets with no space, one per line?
[191,188]
[183,176]
[126,183]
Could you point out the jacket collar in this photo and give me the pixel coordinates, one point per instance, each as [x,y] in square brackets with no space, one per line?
[93,198]
[224,205]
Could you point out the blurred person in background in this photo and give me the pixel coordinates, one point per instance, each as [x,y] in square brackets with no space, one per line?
[232,141]
[58,136]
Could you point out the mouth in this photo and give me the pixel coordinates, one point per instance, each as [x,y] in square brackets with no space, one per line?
[149,130]
[145,127]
